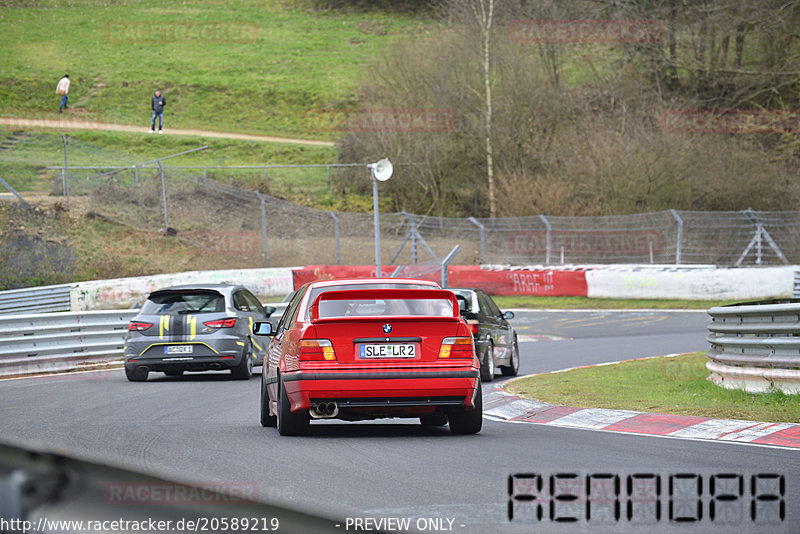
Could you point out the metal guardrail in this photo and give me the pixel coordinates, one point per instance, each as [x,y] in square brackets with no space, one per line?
[55,342]
[35,300]
[756,346]
[43,343]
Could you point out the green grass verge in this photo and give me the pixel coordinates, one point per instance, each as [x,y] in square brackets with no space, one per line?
[579,303]
[25,165]
[674,385]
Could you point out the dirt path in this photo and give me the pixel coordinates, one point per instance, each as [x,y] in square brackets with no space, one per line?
[78,124]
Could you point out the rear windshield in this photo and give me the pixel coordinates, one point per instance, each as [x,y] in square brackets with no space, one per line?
[375,285]
[385,307]
[182,302]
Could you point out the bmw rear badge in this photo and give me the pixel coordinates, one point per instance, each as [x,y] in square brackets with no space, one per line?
[387,328]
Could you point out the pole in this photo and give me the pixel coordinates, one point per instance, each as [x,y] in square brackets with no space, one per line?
[446,263]
[680,236]
[336,233]
[328,173]
[163,195]
[66,170]
[377,227]
[482,230]
[263,226]
[549,241]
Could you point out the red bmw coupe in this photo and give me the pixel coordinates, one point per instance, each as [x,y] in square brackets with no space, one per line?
[368,349]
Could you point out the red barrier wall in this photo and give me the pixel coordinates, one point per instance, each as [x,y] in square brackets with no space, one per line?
[544,283]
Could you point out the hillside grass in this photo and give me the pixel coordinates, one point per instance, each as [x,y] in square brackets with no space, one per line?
[675,385]
[250,66]
[25,160]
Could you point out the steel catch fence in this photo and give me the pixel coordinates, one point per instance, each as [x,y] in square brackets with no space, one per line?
[210,214]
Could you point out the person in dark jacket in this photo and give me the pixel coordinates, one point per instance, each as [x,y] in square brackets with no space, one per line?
[158,111]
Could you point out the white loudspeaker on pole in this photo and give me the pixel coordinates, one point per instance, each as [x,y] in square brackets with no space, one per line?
[381,171]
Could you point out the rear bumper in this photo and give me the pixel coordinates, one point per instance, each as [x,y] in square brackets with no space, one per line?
[204,356]
[385,391]
[205,364]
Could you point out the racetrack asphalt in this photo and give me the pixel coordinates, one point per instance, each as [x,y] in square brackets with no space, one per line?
[204,428]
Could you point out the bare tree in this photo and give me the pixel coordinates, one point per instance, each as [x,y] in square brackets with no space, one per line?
[480,15]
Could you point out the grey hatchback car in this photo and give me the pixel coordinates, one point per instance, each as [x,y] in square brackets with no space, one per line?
[195,328]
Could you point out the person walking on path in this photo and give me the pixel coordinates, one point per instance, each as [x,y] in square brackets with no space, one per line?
[62,89]
[158,111]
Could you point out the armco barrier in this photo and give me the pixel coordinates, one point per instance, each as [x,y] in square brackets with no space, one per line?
[35,300]
[54,342]
[494,280]
[131,292]
[755,346]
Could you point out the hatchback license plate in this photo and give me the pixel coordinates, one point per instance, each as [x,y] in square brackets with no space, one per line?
[178,349]
[390,350]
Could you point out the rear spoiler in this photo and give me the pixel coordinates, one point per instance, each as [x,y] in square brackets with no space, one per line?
[396,294]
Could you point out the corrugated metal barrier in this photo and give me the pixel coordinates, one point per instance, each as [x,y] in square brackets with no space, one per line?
[756,346]
[35,300]
[54,342]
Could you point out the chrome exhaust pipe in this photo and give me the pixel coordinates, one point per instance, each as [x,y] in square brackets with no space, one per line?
[325,410]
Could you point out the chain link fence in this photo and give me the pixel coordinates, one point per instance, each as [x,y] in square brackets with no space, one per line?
[215,216]
[214,212]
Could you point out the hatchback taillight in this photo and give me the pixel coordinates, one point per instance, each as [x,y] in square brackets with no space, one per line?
[230,322]
[456,347]
[138,326]
[316,350]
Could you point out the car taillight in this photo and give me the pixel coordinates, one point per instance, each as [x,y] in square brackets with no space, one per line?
[474,326]
[138,326]
[230,322]
[316,349]
[456,347]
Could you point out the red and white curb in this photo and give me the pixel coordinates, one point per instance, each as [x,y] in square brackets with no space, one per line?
[500,405]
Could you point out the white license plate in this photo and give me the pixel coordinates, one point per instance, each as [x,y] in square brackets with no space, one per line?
[178,349]
[388,350]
